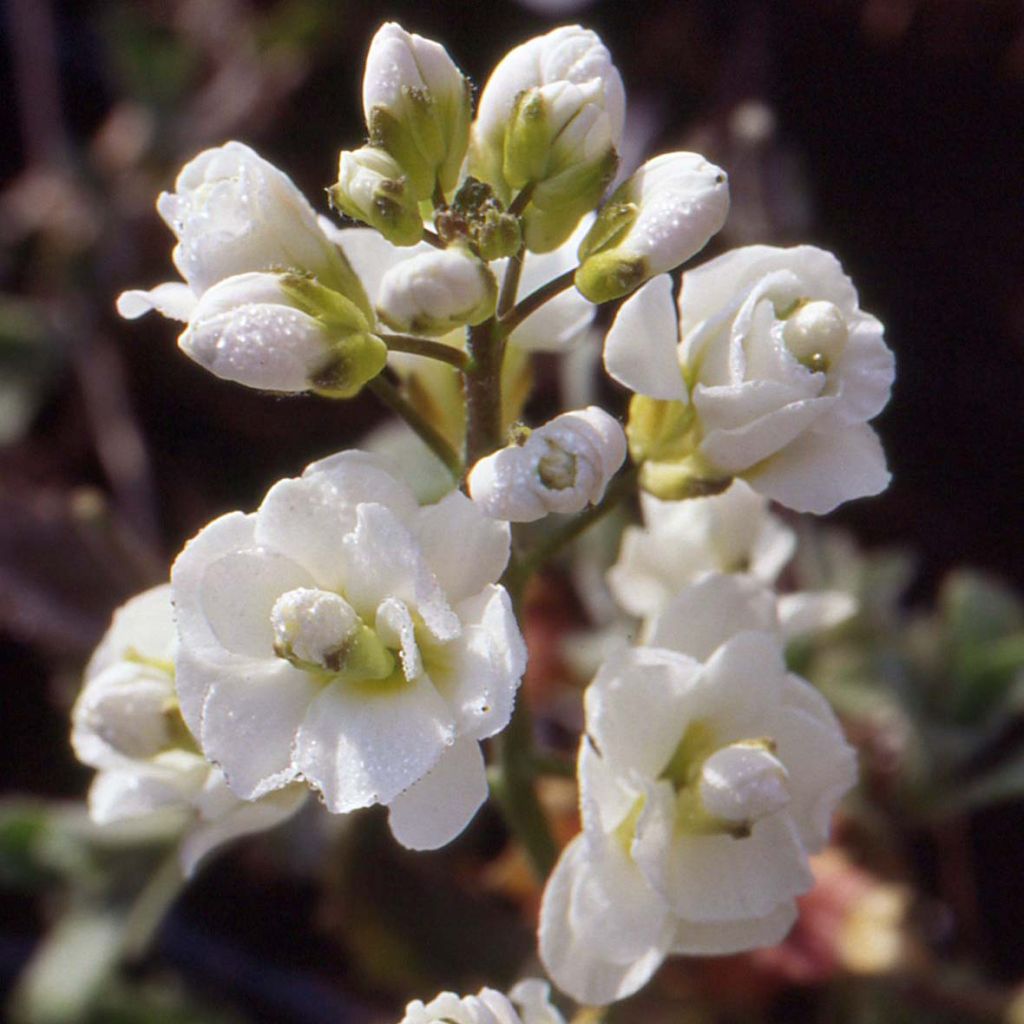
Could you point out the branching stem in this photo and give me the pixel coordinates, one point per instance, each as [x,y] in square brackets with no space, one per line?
[427,348]
[518,313]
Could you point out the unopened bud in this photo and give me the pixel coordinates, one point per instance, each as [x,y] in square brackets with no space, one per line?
[664,214]
[373,188]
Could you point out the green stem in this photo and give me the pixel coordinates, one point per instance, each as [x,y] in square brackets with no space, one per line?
[431,437]
[483,390]
[427,348]
[151,907]
[517,314]
[519,573]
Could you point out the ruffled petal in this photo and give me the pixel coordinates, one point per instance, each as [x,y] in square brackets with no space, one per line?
[719,938]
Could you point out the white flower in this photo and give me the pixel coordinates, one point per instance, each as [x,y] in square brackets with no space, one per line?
[233,212]
[488,1007]
[127,725]
[708,774]
[283,333]
[730,532]
[372,188]
[551,116]
[434,292]
[775,378]
[416,103]
[656,220]
[561,467]
[345,636]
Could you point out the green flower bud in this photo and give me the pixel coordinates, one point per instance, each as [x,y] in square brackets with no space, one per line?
[372,188]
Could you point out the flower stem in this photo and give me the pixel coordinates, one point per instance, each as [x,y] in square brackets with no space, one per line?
[397,403]
[517,314]
[510,283]
[427,348]
[483,390]
[434,239]
[151,907]
[522,200]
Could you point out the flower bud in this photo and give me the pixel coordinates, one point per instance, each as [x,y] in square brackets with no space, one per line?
[417,107]
[561,467]
[434,292]
[282,332]
[373,188]
[660,217]
[551,119]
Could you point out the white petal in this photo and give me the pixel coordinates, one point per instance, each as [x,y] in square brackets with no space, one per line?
[865,371]
[382,559]
[145,623]
[433,811]
[171,299]
[718,938]
[819,471]
[640,350]
[568,951]
[484,665]
[250,715]
[813,611]
[237,594]
[704,615]
[637,708]
[241,818]
[465,550]
[397,630]
[371,255]
[120,795]
[353,477]
[362,744]
[719,878]
[605,797]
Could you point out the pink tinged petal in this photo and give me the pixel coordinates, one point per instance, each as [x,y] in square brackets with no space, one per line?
[362,744]
[237,595]
[812,611]
[865,371]
[465,549]
[819,471]
[571,920]
[434,810]
[483,667]
[707,613]
[719,878]
[223,818]
[605,796]
[640,351]
[382,559]
[172,299]
[718,938]
[637,708]
[250,716]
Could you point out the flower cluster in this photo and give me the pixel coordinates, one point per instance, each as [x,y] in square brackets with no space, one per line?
[348,639]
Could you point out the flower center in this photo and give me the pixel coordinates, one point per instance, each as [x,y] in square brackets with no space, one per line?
[816,334]
[725,790]
[557,468]
[320,632]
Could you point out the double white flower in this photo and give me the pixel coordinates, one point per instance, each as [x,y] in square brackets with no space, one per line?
[269,300]
[344,636]
[776,374]
[126,724]
[708,774]
[561,467]
[731,532]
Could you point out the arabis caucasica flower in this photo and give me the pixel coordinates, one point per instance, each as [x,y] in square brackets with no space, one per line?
[550,119]
[346,636]
[708,774]
[664,214]
[732,532]
[372,188]
[560,467]
[529,1004]
[283,332]
[126,724]
[233,212]
[776,374]
[416,104]
[434,292]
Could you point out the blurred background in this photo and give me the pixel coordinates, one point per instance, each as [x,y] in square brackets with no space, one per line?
[889,131]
